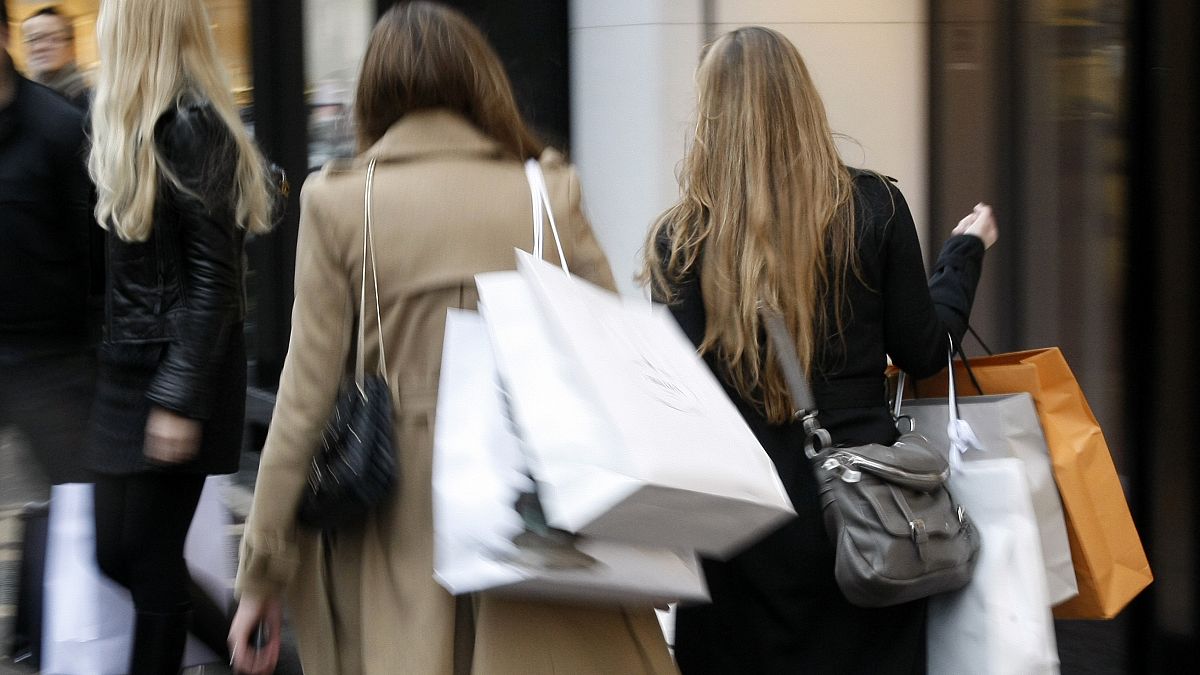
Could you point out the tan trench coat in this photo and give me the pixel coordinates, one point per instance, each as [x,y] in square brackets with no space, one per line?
[447,205]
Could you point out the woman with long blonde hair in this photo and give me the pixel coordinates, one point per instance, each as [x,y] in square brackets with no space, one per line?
[771,217]
[179,184]
[438,123]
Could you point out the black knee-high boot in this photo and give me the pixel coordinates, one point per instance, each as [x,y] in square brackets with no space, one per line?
[158,642]
[210,621]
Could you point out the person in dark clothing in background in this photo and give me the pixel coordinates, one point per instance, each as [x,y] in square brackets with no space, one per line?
[46,355]
[771,217]
[49,39]
[47,272]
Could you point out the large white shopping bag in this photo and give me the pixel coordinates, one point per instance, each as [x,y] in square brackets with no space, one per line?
[1007,426]
[482,543]
[88,619]
[1001,622]
[629,434]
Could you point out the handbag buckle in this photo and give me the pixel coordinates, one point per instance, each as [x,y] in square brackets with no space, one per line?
[917,528]
[817,439]
[847,474]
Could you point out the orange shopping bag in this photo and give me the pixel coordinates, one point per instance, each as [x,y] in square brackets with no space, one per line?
[1110,564]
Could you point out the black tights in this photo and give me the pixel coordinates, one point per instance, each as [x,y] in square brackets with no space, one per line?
[142,522]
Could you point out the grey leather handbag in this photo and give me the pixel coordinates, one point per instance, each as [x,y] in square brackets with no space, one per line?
[898,533]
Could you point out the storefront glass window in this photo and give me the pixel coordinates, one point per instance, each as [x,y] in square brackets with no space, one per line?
[335,37]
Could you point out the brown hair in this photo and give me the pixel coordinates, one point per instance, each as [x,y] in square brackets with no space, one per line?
[425,55]
[766,216]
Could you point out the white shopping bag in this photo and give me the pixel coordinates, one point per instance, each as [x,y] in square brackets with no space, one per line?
[88,619]
[629,434]
[1007,426]
[479,475]
[1000,623]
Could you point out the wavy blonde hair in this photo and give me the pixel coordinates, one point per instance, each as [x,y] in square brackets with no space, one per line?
[155,54]
[766,216]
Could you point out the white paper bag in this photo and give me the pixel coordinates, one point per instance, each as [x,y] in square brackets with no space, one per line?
[478,476]
[88,619]
[1000,623]
[630,436]
[1007,426]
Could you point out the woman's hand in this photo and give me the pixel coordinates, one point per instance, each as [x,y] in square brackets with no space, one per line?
[249,658]
[980,223]
[171,438]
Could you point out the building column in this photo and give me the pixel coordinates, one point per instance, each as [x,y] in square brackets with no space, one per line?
[632,99]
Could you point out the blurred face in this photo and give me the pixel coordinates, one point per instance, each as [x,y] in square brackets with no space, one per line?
[48,44]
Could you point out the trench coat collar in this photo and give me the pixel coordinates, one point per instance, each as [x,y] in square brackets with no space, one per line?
[425,133]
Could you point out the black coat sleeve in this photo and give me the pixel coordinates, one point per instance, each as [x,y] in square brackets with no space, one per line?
[75,198]
[920,316]
[199,149]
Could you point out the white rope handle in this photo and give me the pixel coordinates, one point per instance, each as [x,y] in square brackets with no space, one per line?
[541,210]
[368,238]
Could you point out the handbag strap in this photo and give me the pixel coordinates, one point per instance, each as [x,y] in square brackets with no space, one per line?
[789,363]
[797,383]
[368,248]
[541,210]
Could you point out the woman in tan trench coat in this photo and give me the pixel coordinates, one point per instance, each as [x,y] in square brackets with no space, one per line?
[436,111]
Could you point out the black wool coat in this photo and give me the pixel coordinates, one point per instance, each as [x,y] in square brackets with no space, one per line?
[776,607]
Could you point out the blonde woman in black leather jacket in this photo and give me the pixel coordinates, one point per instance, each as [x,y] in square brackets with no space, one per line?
[179,184]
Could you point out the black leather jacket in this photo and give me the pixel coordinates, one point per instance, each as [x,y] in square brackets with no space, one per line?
[179,294]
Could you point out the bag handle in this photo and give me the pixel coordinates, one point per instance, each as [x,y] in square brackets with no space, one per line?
[368,245]
[962,436]
[966,361]
[952,394]
[541,209]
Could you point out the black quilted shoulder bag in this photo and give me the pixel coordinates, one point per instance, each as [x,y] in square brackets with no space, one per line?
[355,467]
[897,532]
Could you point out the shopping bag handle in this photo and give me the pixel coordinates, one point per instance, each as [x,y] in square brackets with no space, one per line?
[978,339]
[962,436]
[541,209]
[949,374]
[966,361]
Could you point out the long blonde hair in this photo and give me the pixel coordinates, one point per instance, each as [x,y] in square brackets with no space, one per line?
[154,54]
[766,216]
